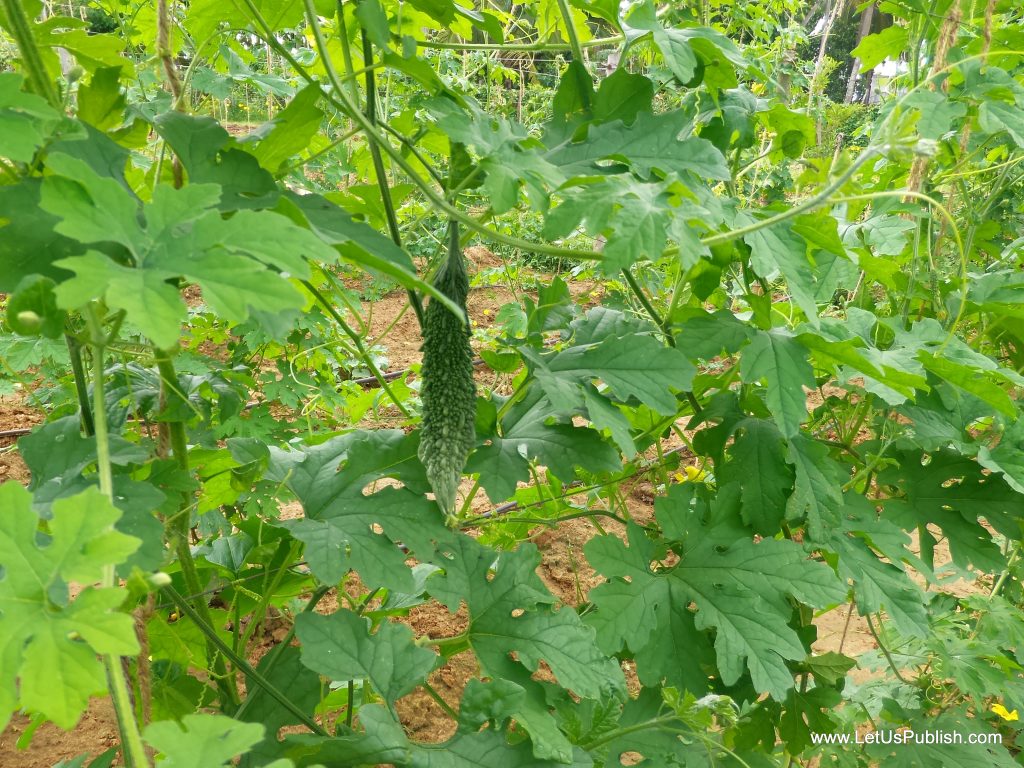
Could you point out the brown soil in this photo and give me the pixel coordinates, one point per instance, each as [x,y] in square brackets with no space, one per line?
[14,415]
[96,732]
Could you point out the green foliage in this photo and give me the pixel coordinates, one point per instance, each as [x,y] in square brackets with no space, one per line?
[805,356]
[49,642]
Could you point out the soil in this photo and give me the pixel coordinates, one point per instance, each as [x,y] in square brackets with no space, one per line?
[14,415]
[563,569]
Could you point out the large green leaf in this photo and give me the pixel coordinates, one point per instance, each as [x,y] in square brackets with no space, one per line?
[288,675]
[878,584]
[26,120]
[876,48]
[757,465]
[650,142]
[779,249]
[525,437]
[738,587]
[207,740]
[649,615]
[232,260]
[48,643]
[382,742]
[341,647]
[776,358]
[29,240]
[969,750]
[817,492]
[511,613]
[344,529]
[955,493]
[632,365]
[488,749]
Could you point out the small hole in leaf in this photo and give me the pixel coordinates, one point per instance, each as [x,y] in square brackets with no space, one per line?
[630,758]
[517,612]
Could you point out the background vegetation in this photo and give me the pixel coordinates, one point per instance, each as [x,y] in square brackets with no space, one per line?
[759,359]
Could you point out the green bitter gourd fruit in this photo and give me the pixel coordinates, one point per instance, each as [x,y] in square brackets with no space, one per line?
[448,391]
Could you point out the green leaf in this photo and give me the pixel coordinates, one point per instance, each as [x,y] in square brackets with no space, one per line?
[100,101]
[806,712]
[776,357]
[622,96]
[648,615]
[48,644]
[876,48]
[675,47]
[29,241]
[817,492]
[652,141]
[524,437]
[575,94]
[489,749]
[830,667]
[964,753]
[384,742]
[344,529]
[336,226]
[705,336]
[206,740]
[739,588]
[877,585]
[511,612]
[341,647]
[998,116]
[1007,457]
[26,120]
[793,131]
[634,215]
[508,156]
[953,492]
[938,113]
[779,249]
[970,379]
[148,301]
[292,128]
[92,208]
[202,145]
[631,366]
[374,20]
[492,701]
[757,465]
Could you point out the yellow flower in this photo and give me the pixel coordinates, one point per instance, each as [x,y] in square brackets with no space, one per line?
[693,475]
[1000,710]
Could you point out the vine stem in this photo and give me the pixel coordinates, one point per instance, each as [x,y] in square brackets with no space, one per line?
[211,635]
[271,659]
[133,750]
[21,31]
[178,526]
[570,30]
[657,722]
[885,651]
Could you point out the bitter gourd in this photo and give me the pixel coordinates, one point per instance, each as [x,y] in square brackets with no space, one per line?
[448,391]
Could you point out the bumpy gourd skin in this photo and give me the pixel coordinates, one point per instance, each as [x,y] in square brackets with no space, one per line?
[448,391]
